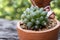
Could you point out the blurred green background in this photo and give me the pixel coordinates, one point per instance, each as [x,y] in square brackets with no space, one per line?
[12,9]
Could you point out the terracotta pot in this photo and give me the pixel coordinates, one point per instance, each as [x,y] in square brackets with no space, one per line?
[51,34]
[41,3]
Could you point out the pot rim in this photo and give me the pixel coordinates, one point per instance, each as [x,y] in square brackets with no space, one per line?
[30,31]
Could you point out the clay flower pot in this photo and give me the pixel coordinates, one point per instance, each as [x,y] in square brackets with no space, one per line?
[50,34]
[41,3]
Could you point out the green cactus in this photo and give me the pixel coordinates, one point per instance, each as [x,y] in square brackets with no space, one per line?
[34,18]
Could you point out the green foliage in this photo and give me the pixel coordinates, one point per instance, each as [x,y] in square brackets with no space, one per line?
[12,9]
[35,18]
[55,5]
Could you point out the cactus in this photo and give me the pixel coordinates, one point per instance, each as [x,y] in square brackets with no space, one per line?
[34,18]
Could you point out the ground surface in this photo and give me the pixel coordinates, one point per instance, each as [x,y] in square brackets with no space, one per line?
[8,30]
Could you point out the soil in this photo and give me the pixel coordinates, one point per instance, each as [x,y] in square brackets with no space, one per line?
[50,25]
